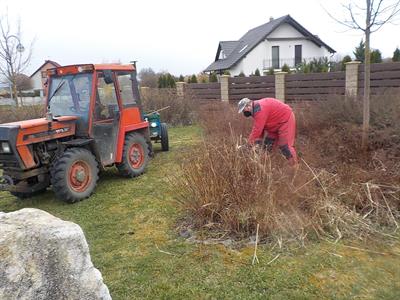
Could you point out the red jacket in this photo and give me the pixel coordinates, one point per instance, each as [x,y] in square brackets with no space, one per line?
[268,114]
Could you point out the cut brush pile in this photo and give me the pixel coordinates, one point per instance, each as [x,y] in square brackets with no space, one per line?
[338,190]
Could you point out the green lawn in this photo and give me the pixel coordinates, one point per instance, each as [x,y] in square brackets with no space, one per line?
[130,225]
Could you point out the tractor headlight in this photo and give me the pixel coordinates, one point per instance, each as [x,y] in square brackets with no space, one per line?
[5,147]
[153,124]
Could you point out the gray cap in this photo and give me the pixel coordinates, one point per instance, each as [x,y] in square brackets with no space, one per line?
[242,104]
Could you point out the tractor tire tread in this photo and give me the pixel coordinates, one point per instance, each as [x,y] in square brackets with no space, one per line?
[164,137]
[124,167]
[58,175]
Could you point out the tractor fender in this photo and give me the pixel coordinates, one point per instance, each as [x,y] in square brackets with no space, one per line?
[88,144]
[77,142]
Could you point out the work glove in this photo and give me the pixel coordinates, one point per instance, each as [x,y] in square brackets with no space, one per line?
[269,143]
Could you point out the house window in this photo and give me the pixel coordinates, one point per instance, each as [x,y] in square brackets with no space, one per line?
[275,57]
[297,54]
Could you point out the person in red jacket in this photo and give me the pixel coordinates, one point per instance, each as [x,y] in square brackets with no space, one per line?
[274,122]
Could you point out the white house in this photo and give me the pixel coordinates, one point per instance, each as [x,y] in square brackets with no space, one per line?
[38,77]
[271,45]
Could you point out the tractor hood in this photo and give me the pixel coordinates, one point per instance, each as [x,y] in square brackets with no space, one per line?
[38,122]
[23,134]
[40,130]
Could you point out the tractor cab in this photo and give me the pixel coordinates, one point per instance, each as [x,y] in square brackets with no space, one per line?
[104,98]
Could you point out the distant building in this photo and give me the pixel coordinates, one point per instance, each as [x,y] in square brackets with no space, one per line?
[269,46]
[38,77]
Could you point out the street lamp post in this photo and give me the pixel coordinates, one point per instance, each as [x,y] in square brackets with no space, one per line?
[20,48]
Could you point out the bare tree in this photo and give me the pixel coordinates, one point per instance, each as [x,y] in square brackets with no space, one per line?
[14,58]
[369,18]
[23,83]
[148,78]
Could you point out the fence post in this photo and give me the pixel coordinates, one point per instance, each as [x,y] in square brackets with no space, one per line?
[280,86]
[224,82]
[180,88]
[144,92]
[352,78]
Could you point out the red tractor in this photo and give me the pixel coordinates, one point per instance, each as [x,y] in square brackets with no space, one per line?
[94,120]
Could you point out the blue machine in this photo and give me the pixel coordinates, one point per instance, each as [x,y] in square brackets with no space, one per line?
[158,130]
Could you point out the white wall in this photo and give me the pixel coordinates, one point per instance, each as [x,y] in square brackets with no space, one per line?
[251,61]
[255,59]
[37,81]
[285,30]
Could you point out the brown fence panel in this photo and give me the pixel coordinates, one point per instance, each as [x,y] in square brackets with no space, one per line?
[315,76]
[316,86]
[254,87]
[384,77]
[204,91]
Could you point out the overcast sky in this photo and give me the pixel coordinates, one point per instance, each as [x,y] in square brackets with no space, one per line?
[171,35]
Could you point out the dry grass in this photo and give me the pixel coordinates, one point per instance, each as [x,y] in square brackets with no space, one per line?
[338,190]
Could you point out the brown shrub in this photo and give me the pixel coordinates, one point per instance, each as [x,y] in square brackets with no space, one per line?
[13,114]
[330,132]
[337,190]
[181,111]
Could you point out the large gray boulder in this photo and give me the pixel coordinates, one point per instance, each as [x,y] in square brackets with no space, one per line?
[44,257]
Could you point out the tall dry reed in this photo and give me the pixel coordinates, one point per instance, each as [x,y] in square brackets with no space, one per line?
[334,193]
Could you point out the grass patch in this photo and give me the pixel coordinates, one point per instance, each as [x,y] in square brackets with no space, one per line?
[130,227]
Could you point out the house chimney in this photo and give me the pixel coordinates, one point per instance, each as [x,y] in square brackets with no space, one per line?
[271,19]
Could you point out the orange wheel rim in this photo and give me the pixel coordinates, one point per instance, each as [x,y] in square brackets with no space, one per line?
[79,176]
[136,156]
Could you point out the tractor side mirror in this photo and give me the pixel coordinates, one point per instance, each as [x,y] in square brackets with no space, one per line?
[108,78]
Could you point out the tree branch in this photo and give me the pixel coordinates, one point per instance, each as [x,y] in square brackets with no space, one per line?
[12,61]
[375,13]
[394,10]
[353,19]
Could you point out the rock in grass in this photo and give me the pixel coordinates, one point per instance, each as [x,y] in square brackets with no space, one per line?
[44,257]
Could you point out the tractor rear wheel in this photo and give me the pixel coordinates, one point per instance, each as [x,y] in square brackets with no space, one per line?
[74,175]
[164,137]
[135,155]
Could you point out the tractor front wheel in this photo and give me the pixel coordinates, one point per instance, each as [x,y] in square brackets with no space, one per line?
[164,137]
[135,155]
[74,175]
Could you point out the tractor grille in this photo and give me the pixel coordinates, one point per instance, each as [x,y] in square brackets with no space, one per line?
[8,160]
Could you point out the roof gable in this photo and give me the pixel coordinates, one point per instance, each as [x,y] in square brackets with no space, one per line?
[227,47]
[53,63]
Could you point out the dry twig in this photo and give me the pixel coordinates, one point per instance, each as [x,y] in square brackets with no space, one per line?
[255,258]
[162,251]
[275,258]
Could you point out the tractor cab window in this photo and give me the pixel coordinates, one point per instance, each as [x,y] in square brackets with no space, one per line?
[125,83]
[106,106]
[69,95]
